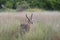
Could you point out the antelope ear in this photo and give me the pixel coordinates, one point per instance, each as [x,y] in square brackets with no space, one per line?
[31,16]
[27,17]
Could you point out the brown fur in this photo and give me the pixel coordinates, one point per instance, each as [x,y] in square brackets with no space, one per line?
[25,27]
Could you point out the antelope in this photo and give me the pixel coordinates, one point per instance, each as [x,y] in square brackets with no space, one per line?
[25,27]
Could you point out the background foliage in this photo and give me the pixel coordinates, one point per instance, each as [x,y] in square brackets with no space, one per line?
[44,4]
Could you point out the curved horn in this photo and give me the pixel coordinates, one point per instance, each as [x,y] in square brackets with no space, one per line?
[27,17]
[31,16]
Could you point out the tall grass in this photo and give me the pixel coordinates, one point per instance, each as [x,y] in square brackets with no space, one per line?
[7,10]
[40,32]
[34,10]
[11,31]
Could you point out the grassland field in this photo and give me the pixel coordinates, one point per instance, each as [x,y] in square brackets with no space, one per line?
[46,25]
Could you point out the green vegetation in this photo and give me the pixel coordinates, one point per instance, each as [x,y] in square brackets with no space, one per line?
[11,31]
[44,4]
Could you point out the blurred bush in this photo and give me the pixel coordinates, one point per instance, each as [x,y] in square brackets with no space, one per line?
[22,6]
[44,4]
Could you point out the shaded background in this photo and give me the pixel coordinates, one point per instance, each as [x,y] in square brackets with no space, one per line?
[42,4]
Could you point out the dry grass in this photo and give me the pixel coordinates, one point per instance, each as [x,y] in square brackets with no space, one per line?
[46,26]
